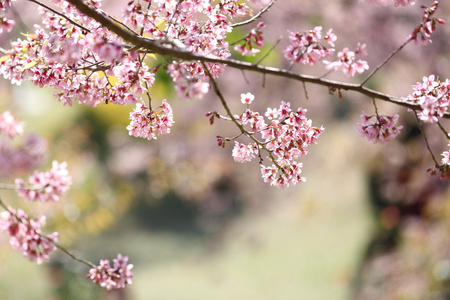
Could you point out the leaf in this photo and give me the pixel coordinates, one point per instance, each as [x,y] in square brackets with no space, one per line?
[30,36]
[4,58]
[30,65]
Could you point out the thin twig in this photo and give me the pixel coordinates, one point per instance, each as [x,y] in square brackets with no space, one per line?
[61,248]
[233,119]
[60,14]
[258,15]
[306,91]
[385,61]
[425,138]
[268,52]
[447,135]
[160,47]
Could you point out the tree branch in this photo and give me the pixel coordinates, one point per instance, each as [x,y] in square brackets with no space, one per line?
[166,48]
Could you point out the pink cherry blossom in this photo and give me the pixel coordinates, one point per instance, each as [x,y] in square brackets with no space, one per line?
[6,24]
[347,62]
[46,186]
[110,277]
[307,47]
[380,130]
[433,97]
[10,126]
[285,138]
[247,98]
[26,237]
[254,38]
[422,33]
[148,123]
[243,152]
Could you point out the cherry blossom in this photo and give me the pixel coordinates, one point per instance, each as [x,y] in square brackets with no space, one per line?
[243,152]
[6,24]
[46,186]
[380,130]
[285,138]
[247,98]
[253,38]
[148,123]
[307,48]
[433,97]
[422,33]
[26,236]
[347,62]
[10,126]
[110,277]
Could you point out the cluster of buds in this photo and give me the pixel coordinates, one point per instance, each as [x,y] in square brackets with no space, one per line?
[254,38]
[422,33]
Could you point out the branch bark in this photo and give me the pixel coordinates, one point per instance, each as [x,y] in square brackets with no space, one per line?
[166,48]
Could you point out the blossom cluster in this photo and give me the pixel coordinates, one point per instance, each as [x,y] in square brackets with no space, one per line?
[422,33]
[285,135]
[433,97]
[347,63]
[26,236]
[148,124]
[307,47]
[87,63]
[46,186]
[380,130]
[254,38]
[10,126]
[27,154]
[110,277]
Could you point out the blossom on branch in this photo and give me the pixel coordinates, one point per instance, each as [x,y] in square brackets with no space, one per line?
[110,277]
[422,33]
[433,97]
[46,186]
[26,236]
[253,38]
[347,62]
[148,123]
[381,130]
[6,24]
[10,126]
[285,138]
[307,47]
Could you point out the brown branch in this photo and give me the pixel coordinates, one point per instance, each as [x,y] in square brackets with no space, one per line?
[60,248]
[60,14]
[258,15]
[166,48]
[386,60]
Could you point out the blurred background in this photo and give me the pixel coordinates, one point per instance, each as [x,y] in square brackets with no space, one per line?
[369,222]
